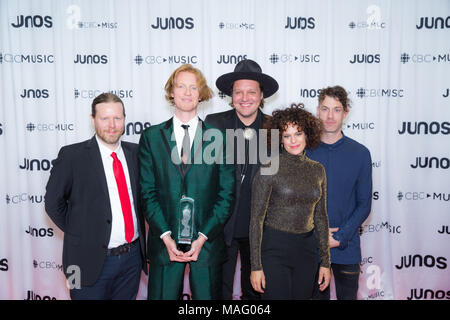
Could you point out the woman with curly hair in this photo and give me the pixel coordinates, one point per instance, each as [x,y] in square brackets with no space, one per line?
[288,215]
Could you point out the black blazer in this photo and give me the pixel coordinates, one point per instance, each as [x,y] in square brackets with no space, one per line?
[77,201]
[226,120]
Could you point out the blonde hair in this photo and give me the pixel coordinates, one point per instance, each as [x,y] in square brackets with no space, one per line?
[205,93]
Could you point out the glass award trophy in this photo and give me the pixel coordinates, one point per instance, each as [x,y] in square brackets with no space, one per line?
[186,224]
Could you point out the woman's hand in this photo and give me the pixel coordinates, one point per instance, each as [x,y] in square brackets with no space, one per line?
[258,281]
[324,278]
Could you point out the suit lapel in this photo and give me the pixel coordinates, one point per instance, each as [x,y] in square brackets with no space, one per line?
[170,143]
[97,165]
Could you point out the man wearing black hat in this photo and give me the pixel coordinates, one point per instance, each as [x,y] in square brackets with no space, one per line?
[247,86]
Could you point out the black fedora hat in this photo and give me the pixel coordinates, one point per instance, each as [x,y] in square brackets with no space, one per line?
[249,70]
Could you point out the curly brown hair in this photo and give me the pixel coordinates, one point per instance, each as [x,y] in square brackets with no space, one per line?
[296,115]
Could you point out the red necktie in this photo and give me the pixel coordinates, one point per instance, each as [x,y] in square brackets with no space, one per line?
[124,197]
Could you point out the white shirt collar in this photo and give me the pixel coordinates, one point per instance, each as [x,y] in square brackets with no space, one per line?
[105,151]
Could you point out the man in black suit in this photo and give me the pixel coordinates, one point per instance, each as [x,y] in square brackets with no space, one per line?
[248,87]
[92,195]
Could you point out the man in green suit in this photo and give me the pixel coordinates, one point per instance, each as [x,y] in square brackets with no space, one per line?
[177,175]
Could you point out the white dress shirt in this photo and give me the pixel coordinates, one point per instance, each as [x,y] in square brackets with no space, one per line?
[117,225]
[179,131]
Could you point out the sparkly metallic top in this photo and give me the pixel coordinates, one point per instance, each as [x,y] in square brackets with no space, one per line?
[292,200]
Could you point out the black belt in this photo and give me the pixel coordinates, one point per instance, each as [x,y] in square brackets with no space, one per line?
[124,248]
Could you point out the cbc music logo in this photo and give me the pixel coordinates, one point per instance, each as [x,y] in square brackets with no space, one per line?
[424,58]
[170,23]
[433,23]
[300,23]
[417,260]
[175,59]
[425,128]
[74,21]
[431,163]
[292,58]
[376,93]
[359,126]
[24,198]
[373,21]
[422,195]
[91,59]
[36,21]
[385,226]
[236,26]
[365,58]
[50,127]
[28,58]
[231,59]
[34,93]
[47,265]
[92,93]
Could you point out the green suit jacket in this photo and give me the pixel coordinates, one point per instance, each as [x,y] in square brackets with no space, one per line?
[163,184]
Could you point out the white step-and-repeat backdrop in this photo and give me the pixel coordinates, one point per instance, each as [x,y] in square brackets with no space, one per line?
[392,56]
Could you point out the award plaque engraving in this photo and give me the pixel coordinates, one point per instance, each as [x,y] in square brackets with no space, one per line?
[186,224]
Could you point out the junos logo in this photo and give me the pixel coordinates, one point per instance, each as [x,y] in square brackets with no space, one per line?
[421,293]
[431,162]
[173,23]
[31,295]
[433,23]
[132,128]
[1,129]
[365,58]
[91,59]
[429,261]
[33,22]
[40,233]
[309,93]
[34,93]
[4,264]
[35,164]
[231,59]
[444,229]
[423,127]
[300,23]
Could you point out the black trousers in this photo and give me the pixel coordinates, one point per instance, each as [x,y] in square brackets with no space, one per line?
[242,246]
[289,263]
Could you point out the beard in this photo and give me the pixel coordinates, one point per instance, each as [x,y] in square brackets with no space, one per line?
[107,137]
